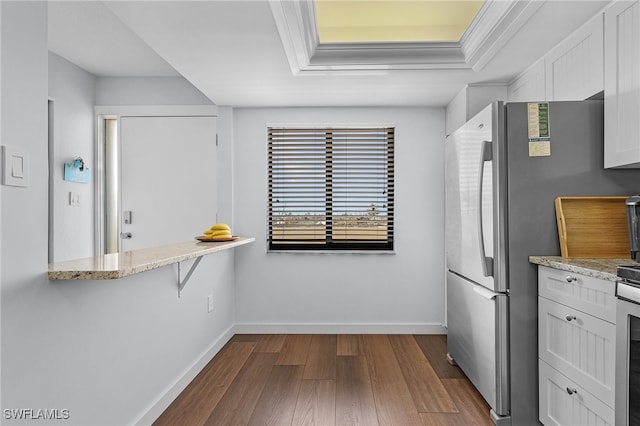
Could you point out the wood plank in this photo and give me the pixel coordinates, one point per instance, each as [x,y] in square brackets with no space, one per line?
[446,419]
[316,404]
[473,410]
[427,391]
[194,405]
[434,347]
[350,344]
[394,403]
[277,402]
[238,402]
[270,343]
[355,404]
[245,338]
[321,361]
[294,350]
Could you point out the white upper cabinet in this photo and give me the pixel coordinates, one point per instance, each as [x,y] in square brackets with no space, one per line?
[574,69]
[471,100]
[622,84]
[530,86]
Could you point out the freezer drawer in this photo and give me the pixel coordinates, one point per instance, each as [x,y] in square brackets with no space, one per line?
[477,338]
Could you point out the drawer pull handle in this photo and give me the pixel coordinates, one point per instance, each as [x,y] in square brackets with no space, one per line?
[571,391]
[570,278]
[570,317]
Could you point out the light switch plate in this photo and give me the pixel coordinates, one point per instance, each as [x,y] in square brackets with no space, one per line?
[74,199]
[15,166]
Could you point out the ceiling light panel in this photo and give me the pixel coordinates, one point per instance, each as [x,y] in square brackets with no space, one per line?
[374,21]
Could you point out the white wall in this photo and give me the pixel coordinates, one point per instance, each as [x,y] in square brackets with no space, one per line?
[345,292]
[110,352]
[24,210]
[72,92]
[148,91]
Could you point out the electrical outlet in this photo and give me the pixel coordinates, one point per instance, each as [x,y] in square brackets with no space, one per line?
[210,303]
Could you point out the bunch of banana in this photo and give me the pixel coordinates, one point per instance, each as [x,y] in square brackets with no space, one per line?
[218,231]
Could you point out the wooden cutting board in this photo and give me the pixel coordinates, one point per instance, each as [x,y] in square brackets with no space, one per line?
[592,227]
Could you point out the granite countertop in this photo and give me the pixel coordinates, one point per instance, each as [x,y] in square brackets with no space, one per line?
[598,268]
[120,265]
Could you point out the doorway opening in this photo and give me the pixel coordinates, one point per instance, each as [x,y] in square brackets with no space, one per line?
[111,186]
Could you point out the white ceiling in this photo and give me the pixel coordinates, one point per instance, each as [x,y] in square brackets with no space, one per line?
[88,34]
[232,52]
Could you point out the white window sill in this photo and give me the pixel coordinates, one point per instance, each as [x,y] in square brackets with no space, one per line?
[333,252]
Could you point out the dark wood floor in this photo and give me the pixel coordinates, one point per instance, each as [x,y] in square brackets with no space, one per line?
[330,380]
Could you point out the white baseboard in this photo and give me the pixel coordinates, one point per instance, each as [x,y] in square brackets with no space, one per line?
[161,404]
[261,328]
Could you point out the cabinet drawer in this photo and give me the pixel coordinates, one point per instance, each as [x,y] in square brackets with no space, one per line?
[587,294]
[563,402]
[580,346]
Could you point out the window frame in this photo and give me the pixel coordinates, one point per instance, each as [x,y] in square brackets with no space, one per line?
[328,244]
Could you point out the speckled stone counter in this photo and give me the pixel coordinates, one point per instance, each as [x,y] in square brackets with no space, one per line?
[598,268]
[119,265]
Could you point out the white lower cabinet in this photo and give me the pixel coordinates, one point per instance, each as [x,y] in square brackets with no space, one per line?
[580,345]
[576,348]
[563,402]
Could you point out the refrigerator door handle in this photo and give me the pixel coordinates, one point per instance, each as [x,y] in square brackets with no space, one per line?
[487,262]
[487,294]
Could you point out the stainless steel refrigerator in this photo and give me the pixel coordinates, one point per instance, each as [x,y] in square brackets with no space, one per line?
[504,168]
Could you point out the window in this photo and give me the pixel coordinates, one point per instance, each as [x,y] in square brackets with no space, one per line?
[331,189]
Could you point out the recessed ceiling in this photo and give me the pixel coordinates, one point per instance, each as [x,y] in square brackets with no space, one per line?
[367,21]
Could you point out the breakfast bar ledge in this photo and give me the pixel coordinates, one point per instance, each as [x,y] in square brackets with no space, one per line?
[120,265]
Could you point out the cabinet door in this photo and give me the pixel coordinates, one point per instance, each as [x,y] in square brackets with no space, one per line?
[578,345]
[574,69]
[530,85]
[622,84]
[563,402]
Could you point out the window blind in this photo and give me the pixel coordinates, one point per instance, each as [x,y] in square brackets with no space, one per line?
[331,188]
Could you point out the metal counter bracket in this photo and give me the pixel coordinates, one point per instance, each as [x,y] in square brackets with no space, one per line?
[181,282]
